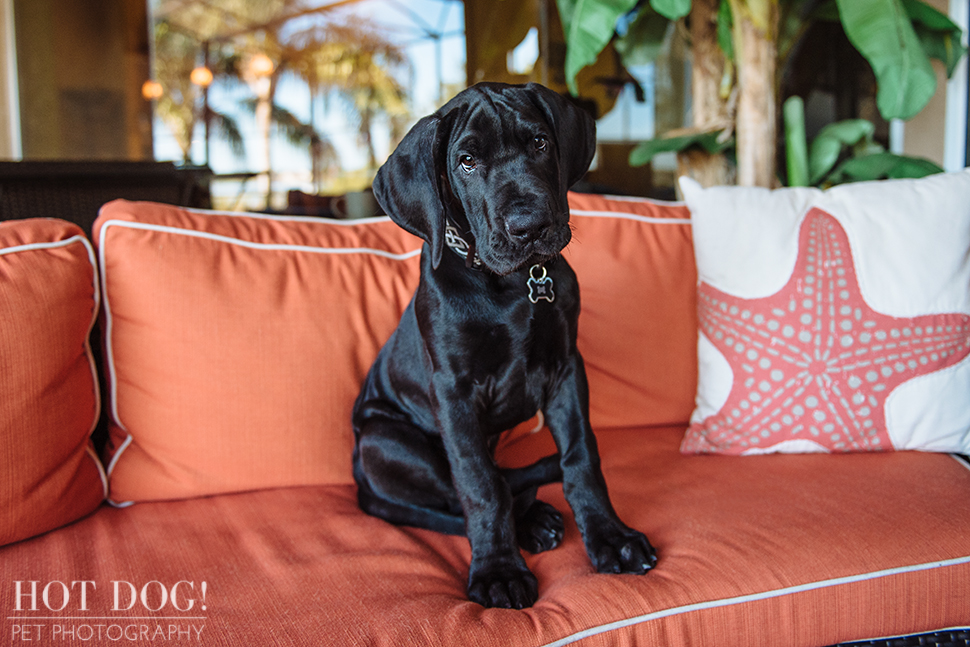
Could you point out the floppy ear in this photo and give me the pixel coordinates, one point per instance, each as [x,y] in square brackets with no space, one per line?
[408,186]
[574,130]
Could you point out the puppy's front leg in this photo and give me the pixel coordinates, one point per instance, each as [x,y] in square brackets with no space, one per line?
[612,546]
[498,576]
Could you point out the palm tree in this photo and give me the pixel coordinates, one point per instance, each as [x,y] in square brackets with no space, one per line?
[359,63]
[251,42]
[352,58]
[183,30]
[176,55]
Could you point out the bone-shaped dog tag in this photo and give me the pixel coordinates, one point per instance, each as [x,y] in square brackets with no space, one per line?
[540,287]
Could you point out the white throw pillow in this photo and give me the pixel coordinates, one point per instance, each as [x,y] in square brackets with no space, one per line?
[835,320]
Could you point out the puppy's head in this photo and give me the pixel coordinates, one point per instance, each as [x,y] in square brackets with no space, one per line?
[496,160]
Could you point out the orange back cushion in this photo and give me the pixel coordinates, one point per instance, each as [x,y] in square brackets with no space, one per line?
[638,325]
[236,344]
[49,473]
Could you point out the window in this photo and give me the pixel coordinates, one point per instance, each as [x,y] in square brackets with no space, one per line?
[293,95]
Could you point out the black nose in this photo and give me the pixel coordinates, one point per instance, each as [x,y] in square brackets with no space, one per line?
[526,227]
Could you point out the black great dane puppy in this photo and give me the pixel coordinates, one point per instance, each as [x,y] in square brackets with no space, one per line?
[488,340]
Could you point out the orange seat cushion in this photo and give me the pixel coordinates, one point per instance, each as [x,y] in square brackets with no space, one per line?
[49,473]
[773,551]
[236,344]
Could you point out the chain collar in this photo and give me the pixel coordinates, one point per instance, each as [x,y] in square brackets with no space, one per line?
[461,246]
[539,282]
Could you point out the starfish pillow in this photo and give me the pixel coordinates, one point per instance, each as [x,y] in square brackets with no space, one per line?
[832,321]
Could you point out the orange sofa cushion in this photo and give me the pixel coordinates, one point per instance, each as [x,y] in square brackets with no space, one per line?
[638,326]
[767,551]
[236,344]
[49,473]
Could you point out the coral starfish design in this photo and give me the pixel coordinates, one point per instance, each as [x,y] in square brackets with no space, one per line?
[813,362]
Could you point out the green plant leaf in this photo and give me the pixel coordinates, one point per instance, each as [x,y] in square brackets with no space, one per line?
[588,26]
[672,9]
[827,145]
[924,14]
[644,40]
[941,46]
[709,141]
[725,23]
[882,32]
[941,37]
[796,150]
[882,166]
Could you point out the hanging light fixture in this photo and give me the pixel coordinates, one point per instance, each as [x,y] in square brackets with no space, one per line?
[151,90]
[261,65]
[201,76]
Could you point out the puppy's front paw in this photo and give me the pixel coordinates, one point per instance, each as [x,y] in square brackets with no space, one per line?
[504,584]
[615,548]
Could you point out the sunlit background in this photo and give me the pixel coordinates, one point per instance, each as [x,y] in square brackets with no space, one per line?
[318,93]
[291,106]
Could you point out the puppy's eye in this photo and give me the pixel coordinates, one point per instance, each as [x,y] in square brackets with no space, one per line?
[467,163]
[541,142]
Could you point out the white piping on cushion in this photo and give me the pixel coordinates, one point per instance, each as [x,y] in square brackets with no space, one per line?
[108,350]
[634,198]
[111,467]
[96,285]
[117,454]
[630,216]
[754,597]
[30,247]
[251,245]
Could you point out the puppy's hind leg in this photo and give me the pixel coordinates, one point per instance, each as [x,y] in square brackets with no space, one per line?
[538,525]
[403,477]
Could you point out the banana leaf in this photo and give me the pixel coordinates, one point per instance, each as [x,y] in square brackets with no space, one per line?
[708,141]
[588,26]
[882,166]
[939,35]
[796,150]
[672,9]
[642,41]
[828,144]
[883,33]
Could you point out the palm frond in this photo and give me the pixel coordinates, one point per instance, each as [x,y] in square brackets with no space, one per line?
[229,130]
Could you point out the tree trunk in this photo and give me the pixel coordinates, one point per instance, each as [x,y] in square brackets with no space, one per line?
[710,109]
[316,173]
[264,123]
[755,40]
